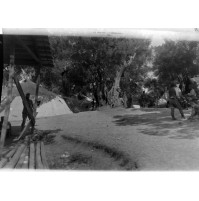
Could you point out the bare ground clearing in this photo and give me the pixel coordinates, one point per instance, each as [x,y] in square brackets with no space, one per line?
[121,139]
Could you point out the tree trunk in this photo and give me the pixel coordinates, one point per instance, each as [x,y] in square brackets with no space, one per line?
[114,92]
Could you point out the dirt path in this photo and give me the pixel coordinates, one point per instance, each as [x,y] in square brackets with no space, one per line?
[121,139]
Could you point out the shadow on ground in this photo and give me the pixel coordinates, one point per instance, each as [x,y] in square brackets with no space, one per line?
[159,123]
[49,135]
[10,139]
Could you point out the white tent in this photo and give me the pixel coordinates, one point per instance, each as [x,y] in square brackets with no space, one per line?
[52,104]
[56,106]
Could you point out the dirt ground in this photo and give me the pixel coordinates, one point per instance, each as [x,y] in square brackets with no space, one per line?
[121,139]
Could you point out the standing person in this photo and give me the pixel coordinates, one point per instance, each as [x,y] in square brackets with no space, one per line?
[193,99]
[180,98]
[166,96]
[173,102]
[93,101]
[178,91]
[25,112]
[143,99]
[106,94]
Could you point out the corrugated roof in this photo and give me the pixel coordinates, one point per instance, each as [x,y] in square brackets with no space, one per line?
[38,44]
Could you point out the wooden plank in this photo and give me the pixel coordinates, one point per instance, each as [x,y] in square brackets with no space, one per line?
[3,162]
[38,156]
[32,156]
[7,157]
[11,153]
[12,163]
[26,160]
[22,158]
[6,152]
[9,97]
[30,115]
[26,128]
[43,156]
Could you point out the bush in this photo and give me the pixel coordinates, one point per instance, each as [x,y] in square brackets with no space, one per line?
[77,105]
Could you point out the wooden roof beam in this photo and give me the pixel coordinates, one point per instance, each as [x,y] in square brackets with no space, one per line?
[28,49]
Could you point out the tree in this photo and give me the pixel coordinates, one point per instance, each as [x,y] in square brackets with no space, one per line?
[175,61]
[135,54]
[96,64]
[155,88]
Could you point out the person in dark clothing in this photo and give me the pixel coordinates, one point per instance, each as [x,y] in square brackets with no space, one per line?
[143,99]
[193,100]
[174,103]
[25,112]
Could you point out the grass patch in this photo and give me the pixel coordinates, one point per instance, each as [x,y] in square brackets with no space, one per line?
[80,159]
[123,159]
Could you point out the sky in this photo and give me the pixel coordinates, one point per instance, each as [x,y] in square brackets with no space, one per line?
[159,35]
[156,35]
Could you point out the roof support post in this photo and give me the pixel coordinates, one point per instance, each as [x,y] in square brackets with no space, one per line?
[4,102]
[37,88]
[1,63]
[9,98]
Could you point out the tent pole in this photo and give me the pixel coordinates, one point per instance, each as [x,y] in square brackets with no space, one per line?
[36,92]
[9,97]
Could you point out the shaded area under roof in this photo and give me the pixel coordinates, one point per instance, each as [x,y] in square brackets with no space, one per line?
[38,45]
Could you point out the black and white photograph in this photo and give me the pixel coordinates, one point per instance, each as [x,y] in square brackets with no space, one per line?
[100,99]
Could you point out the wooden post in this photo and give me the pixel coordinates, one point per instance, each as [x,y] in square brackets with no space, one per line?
[1,64]
[9,96]
[4,103]
[37,89]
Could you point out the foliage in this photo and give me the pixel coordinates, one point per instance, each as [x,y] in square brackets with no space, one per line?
[175,61]
[91,63]
[77,105]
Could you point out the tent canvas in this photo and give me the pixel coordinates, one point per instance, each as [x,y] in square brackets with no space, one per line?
[56,106]
[51,104]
